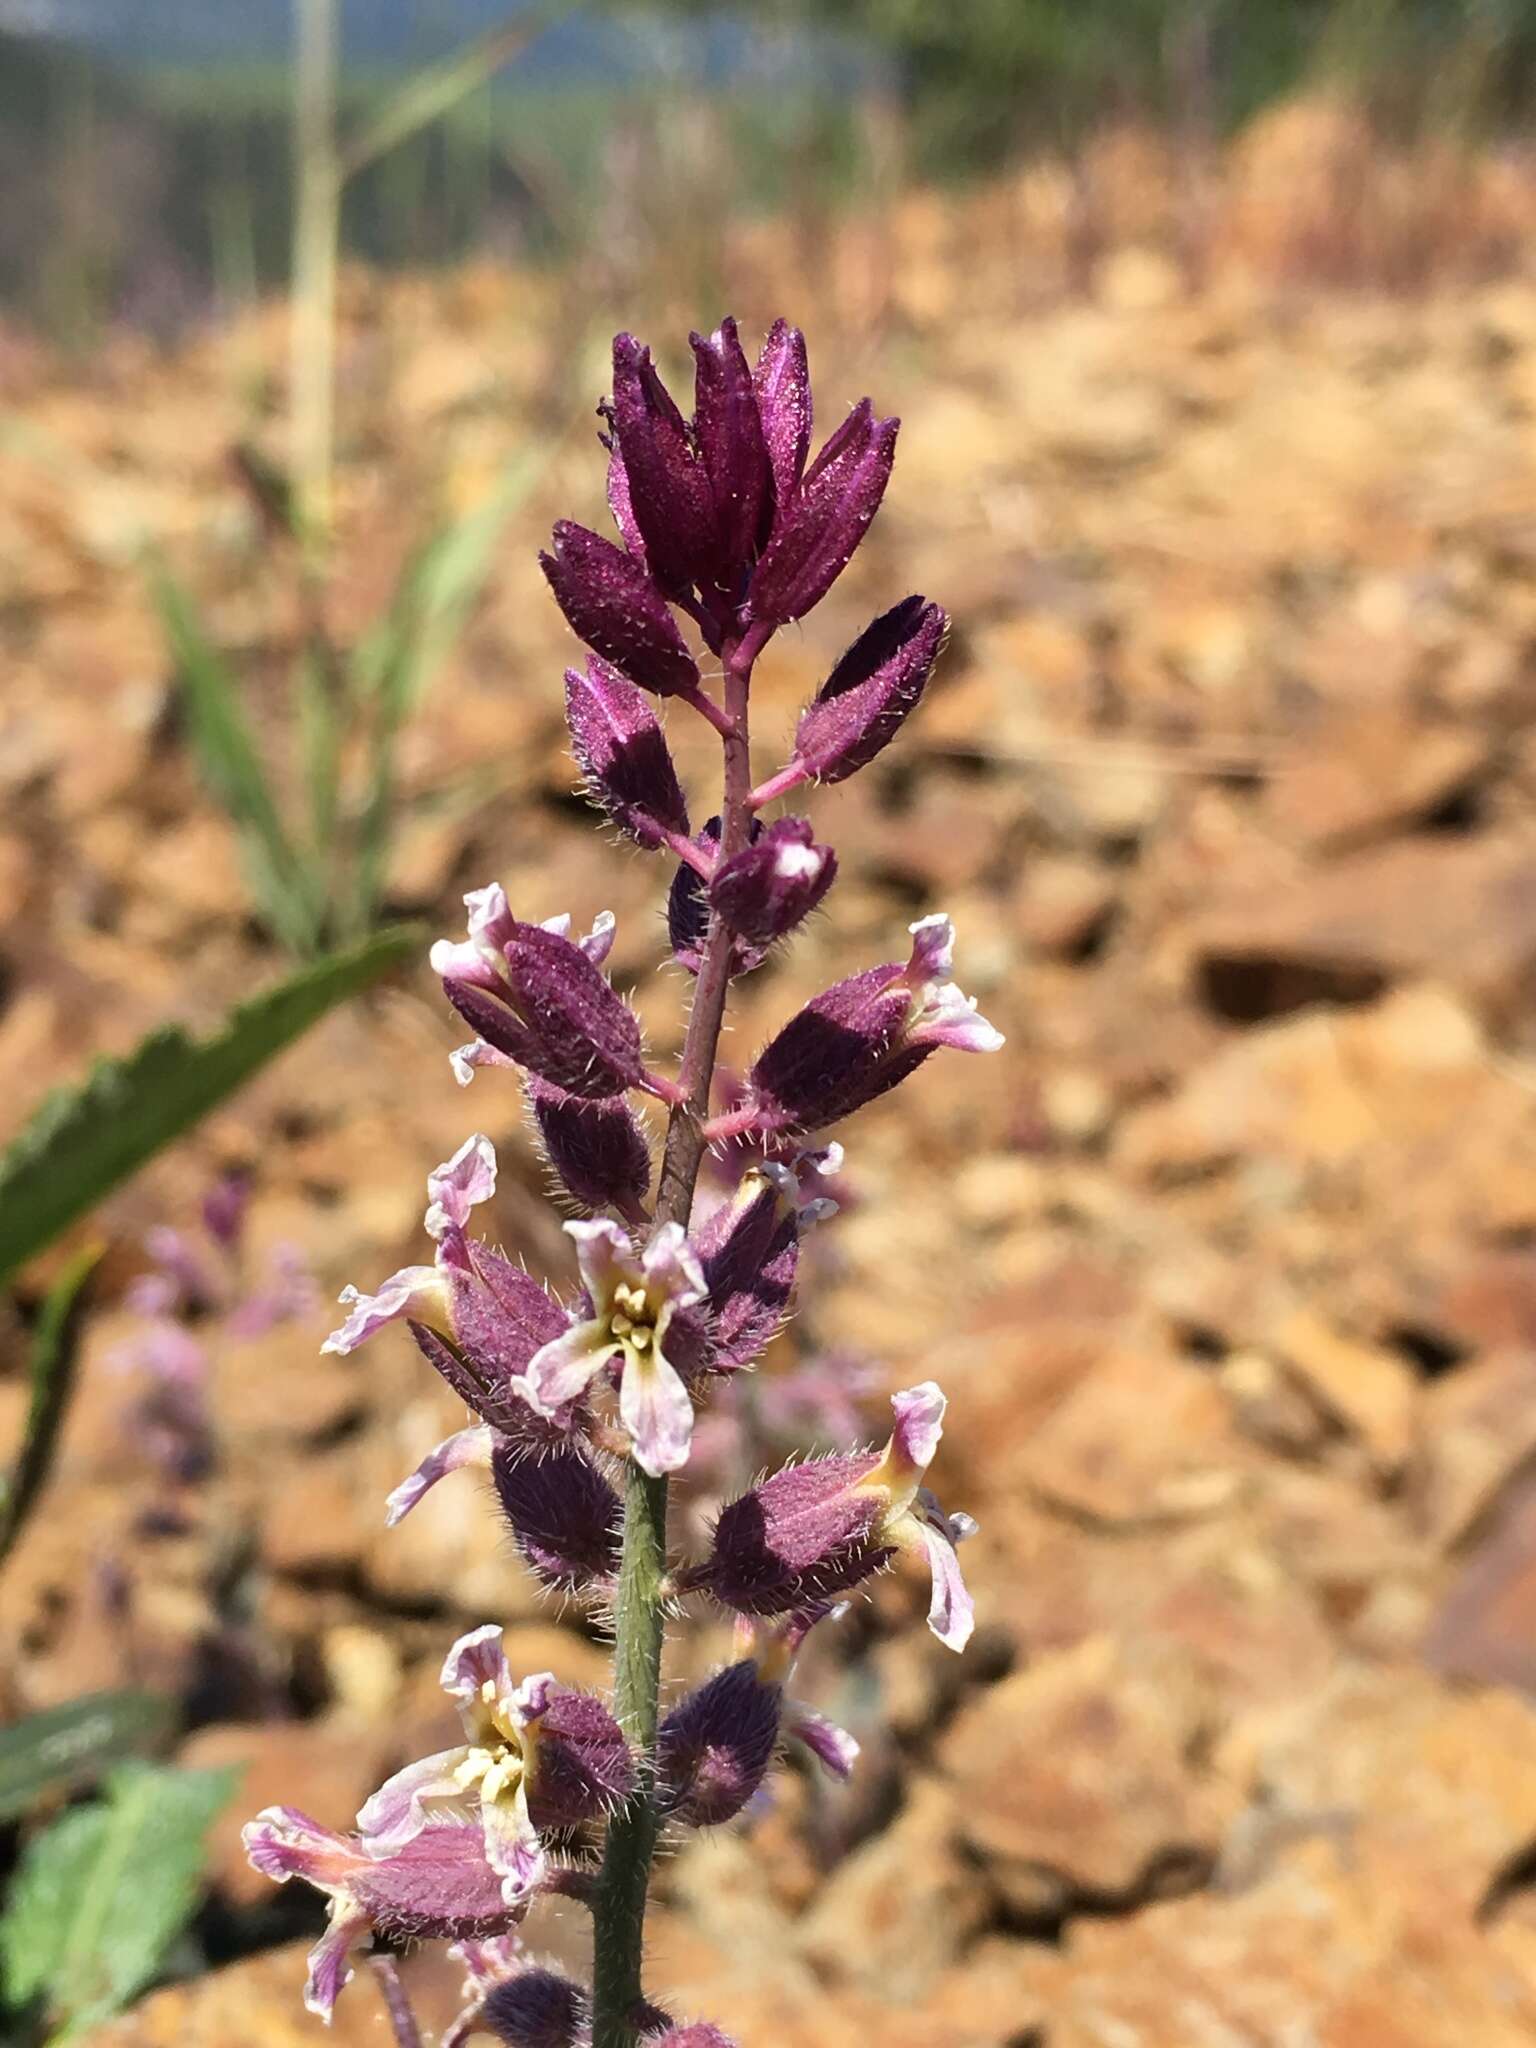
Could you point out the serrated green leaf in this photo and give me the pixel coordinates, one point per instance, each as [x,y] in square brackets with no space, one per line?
[66,1747]
[281,881]
[55,1354]
[101,1896]
[84,1140]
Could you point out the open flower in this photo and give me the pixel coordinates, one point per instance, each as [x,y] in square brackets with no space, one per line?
[438,1882]
[536,1755]
[816,1529]
[635,1297]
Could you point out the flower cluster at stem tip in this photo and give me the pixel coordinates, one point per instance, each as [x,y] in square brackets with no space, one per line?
[727,523]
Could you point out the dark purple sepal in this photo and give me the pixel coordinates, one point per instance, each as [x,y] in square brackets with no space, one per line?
[782,382]
[816,534]
[729,431]
[688,908]
[749,1250]
[775,883]
[670,497]
[876,684]
[622,753]
[611,603]
[801,1537]
[555,1014]
[583,1766]
[831,1057]
[597,1149]
[537,2008]
[565,1517]
[714,1748]
[494,1397]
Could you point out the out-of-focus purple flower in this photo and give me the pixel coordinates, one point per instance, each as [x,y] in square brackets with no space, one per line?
[634,1297]
[565,1517]
[862,1036]
[875,685]
[622,753]
[224,1209]
[598,1149]
[541,999]
[774,883]
[782,381]
[729,431]
[817,531]
[699,2035]
[815,1530]
[536,1755]
[611,603]
[437,1882]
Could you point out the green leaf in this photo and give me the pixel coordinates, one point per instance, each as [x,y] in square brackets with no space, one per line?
[438,589]
[84,1140]
[66,1747]
[280,881]
[55,1354]
[101,1896]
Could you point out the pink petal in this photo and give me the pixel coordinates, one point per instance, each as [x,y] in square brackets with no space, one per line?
[281,1842]
[933,950]
[512,1846]
[459,1185]
[951,1612]
[464,1059]
[598,943]
[833,1747]
[415,1291]
[396,1813]
[531,1700]
[472,1661]
[950,1017]
[561,1370]
[604,1256]
[919,1413]
[654,1407]
[329,1971]
[464,1447]
[669,1263]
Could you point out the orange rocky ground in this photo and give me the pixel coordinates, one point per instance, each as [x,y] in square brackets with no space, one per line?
[1229,1263]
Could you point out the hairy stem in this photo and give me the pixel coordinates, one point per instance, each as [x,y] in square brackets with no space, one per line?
[639,1613]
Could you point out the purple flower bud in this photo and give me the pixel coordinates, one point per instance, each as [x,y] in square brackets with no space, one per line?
[774,884]
[621,750]
[860,708]
[730,438]
[816,533]
[565,1516]
[536,996]
[714,1748]
[224,1208]
[598,1149]
[669,491]
[537,2008]
[611,603]
[782,381]
[749,1250]
[688,906]
[438,1883]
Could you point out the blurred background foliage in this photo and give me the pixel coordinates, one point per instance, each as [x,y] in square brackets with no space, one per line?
[156,139]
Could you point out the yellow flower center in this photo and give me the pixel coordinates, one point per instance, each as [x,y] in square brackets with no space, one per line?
[498,1762]
[633,1319]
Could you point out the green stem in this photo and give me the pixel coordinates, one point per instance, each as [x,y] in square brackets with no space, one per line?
[639,1611]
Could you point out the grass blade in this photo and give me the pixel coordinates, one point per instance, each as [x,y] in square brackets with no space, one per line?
[226,749]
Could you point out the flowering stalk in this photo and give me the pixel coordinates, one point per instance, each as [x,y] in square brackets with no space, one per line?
[583,1409]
